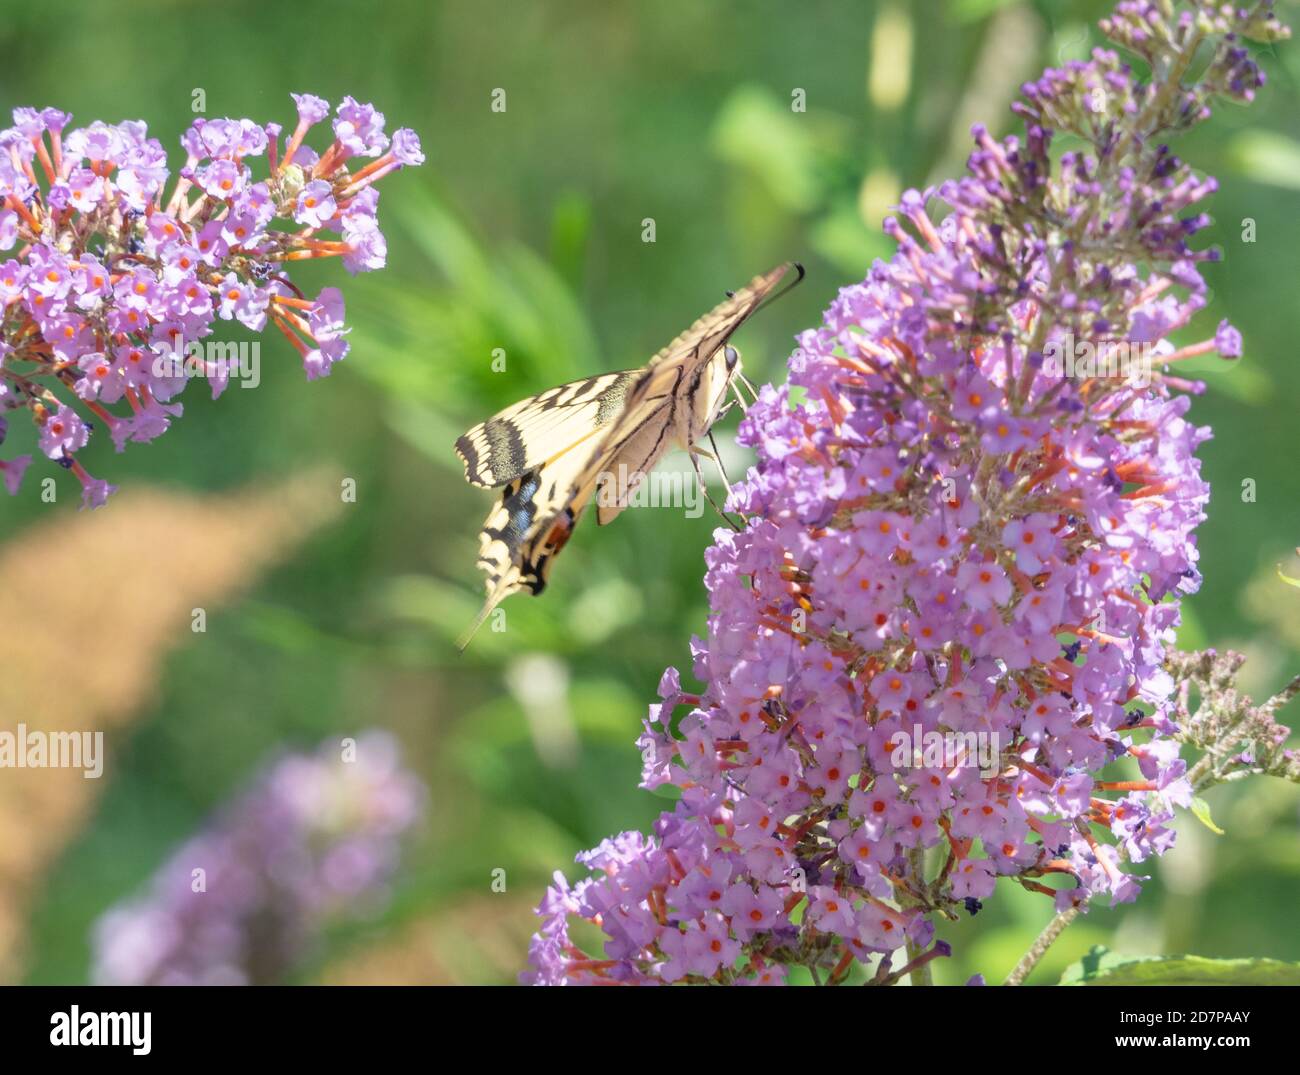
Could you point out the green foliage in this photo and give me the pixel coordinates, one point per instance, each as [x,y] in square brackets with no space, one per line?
[1102,967]
[1267,157]
[1201,811]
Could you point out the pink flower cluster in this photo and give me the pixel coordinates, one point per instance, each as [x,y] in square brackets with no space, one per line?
[115,284]
[936,651]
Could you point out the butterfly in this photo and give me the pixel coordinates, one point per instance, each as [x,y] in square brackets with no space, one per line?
[552,453]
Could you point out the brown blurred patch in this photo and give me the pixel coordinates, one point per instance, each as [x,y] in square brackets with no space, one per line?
[470,943]
[90,605]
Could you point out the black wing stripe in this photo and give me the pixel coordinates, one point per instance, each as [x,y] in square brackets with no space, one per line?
[518,438]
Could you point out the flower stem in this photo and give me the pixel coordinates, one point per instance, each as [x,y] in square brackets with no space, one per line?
[920,972]
[1040,946]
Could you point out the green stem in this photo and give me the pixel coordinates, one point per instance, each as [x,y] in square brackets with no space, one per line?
[918,975]
[1040,946]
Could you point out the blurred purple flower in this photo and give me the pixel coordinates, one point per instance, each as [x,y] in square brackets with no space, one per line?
[314,840]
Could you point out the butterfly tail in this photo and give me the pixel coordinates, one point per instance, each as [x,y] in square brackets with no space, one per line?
[495,598]
[505,586]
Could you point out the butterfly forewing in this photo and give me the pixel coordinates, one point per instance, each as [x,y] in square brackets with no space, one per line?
[526,434]
[710,331]
[676,399]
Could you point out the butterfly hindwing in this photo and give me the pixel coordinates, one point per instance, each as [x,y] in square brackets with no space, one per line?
[526,529]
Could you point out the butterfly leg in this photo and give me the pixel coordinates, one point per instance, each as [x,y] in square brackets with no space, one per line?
[695,454]
[717,458]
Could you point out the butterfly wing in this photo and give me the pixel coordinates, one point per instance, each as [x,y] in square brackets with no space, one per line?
[711,330]
[528,527]
[520,438]
[676,398]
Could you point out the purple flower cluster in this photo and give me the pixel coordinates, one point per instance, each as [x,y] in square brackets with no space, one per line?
[315,839]
[948,613]
[114,285]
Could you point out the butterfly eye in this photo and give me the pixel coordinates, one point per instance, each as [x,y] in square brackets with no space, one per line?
[733,358]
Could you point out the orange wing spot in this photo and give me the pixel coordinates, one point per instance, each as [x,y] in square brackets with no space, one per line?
[559,534]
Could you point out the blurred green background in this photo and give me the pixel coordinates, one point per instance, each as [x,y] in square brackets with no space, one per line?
[524,232]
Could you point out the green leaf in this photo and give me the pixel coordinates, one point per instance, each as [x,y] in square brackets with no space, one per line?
[1102,967]
[843,239]
[791,154]
[570,232]
[1202,811]
[755,132]
[1267,157]
[1245,381]
[961,11]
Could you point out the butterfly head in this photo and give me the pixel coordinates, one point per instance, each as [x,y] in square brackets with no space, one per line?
[732,358]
